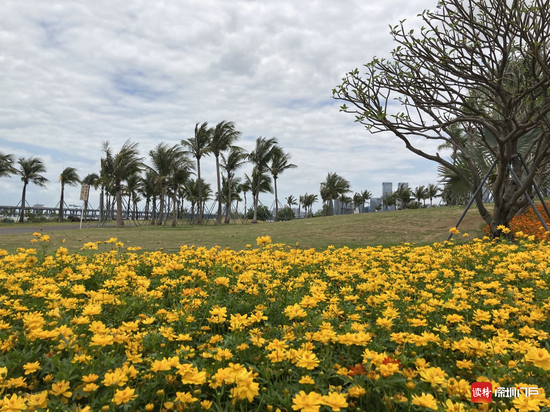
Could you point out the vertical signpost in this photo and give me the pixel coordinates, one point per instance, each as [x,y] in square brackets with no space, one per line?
[84,194]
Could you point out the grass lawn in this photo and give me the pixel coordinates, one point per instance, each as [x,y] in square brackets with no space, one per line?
[422,226]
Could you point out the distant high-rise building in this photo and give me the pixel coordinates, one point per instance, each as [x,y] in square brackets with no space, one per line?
[387,188]
[399,185]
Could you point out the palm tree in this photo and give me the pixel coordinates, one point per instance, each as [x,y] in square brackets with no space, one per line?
[120,166]
[261,183]
[6,165]
[235,159]
[67,177]
[191,190]
[404,195]
[262,154]
[344,202]
[181,171]
[29,170]
[133,186]
[224,135]
[389,199]
[105,181]
[150,189]
[291,201]
[432,191]
[332,188]
[366,195]
[420,193]
[357,200]
[279,163]
[309,200]
[245,188]
[233,189]
[164,160]
[199,146]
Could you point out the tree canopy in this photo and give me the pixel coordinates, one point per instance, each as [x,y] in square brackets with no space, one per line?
[481,66]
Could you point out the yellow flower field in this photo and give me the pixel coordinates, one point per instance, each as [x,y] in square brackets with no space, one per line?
[274,327]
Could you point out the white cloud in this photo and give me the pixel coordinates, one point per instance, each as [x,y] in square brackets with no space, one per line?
[78,73]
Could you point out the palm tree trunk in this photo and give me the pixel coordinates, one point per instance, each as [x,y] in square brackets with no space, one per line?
[276,200]
[23,200]
[199,186]
[101,196]
[175,207]
[219,216]
[119,220]
[256,197]
[162,203]
[228,210]
[154,210]
[61,200]
[245,211]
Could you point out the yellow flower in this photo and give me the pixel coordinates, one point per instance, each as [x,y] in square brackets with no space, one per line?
[61,389]
[31,367]
[306,380]
[310,402]
[307,360]
[90,387]
[13,404]
[538,357]
[356,391]
[185,397]
[38,400]
[335,401]
[295,311]
[206,405]
[124,396]
[450,406]
[454,231]
[263,240]
[435,376]
[425,400]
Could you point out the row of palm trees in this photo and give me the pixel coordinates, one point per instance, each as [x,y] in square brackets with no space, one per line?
[403,196]
[169,177]
[171,170]
[30,171]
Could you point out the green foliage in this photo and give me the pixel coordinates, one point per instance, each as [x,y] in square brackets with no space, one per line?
[286,213]
[263,213]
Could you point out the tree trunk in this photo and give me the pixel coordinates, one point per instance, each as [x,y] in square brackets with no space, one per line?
[61,201]
[219,216]
[228,210]
[101,198]
[154,210]
[276,200]
[119,220]
[199,186]
[23,200]
[162,203]
[256,197]
[175,207]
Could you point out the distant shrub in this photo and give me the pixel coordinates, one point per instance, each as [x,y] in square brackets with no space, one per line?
[286,213]
[263,213]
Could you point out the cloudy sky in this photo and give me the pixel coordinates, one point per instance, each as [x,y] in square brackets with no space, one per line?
[77,73]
